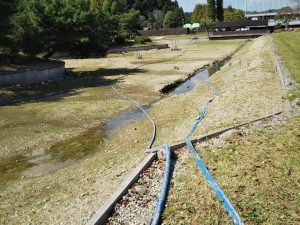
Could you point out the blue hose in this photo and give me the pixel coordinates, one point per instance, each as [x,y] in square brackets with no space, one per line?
[209,178]
[201,117]
[138,106]
[164,189]
[213,184]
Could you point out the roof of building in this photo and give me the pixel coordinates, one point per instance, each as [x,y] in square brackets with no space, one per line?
[260,14]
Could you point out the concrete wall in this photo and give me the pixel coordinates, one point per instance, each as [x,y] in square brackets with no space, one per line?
[34,76]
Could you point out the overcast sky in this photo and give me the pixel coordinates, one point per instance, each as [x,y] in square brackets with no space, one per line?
[258,5]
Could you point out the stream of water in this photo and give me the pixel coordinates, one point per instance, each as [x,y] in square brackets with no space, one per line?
[65,153]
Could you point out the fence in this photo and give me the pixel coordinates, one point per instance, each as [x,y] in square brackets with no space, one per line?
[164,32]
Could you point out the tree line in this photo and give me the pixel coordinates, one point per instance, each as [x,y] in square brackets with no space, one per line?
[214,11]
[79,26]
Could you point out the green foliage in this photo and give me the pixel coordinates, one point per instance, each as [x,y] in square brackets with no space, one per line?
[158,18]
[199,13]
[142,40]
[231,15]
[79,26]
[113,7]
[219,10]
[119,40]
[69,25]
[211,9]
[170,20]
[207,23]
[129,24]
[7,9]
[174,18]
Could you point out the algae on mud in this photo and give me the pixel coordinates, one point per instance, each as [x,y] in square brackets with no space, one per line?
[57,156]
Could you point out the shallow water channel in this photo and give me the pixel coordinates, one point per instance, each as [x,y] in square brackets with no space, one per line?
[65,153]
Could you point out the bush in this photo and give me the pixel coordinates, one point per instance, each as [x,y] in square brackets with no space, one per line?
[142,40]
[119,39]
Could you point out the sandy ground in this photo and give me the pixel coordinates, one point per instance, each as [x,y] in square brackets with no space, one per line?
[72,195]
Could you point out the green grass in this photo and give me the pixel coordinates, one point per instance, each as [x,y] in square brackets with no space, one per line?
[289,49]
[259,173]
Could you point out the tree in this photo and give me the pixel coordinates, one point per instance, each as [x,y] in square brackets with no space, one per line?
[179,16]
[231,15]
[158,18]
[285,15]
[7,10]
[115,8]
[188,17]
[129,24]
[207,24]
[199,13]
[211,9]
[170,20]
[76,26]
[106,7]
[220,11]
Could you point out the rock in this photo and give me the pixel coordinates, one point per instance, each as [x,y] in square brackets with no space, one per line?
[140,190]
[227,135]
[161,155]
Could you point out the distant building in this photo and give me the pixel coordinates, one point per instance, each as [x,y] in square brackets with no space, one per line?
[272,19]
[239,29]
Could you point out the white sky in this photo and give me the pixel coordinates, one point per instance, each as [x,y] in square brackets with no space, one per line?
[258,5]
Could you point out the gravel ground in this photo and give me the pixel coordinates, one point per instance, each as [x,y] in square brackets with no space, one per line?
[138,205]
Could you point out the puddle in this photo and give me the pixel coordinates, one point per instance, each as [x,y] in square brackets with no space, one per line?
[116,123]
[65,153]
[58,156]
[198,79]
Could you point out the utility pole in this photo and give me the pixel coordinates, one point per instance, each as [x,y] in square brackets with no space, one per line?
[245,7]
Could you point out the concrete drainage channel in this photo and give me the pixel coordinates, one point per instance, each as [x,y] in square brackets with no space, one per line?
[130,203]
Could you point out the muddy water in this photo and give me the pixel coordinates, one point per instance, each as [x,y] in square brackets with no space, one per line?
[65,153]
[198,79]
[57,156]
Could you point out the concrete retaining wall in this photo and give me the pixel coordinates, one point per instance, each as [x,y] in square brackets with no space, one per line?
[34,76]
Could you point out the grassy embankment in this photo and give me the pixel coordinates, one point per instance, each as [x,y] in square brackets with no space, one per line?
[258,171]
